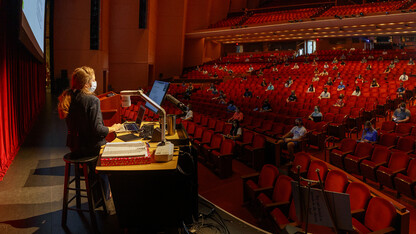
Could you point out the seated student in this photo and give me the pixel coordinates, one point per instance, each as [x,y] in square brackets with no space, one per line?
[357,91]
[289,82]
[238,116]
[189,114]
[369,133]
[338,76]
[401,114]
[293,138]
[274,69]
[266,107]
[316,115]
[411,62]
[329,82]
[215,66]
[374,84]
[263,83]
[369,67]
[343,57]
[211,87]
[250,69]
[296,66]
[335,67]
[340,101]
[287,63]
[341,86]
[384,52]
[396,59]
[370,56]
[247,94]
[260,72]
[314,63]
[292,97]
[364,60]
[392,65]
[326,65]
[270,87]
[231,107]
[311,89]
[343,63]
[316,71]
[235,132]
[215,90]
[401,90]
[380,58]
[315,78]
[335,60]
[404,77]
[325,94]
[323,73]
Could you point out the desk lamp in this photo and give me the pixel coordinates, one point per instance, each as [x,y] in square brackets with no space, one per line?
[164,150]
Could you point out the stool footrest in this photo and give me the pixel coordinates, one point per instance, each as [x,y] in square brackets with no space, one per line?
[76,209]
[81,190]
[70,200]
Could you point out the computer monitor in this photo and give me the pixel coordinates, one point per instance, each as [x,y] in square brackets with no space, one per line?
[157,94]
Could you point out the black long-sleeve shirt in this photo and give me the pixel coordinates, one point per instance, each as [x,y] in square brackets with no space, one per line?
[86,130]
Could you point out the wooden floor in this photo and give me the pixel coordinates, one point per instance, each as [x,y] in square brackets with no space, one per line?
[31,192]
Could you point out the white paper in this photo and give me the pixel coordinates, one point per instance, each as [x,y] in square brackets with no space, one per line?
[125,149]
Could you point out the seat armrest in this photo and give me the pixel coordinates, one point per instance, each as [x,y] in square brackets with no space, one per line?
[250,176]
[357,212]
[332,147]
[399,170]
[276,204]
[259,190]
[385,230]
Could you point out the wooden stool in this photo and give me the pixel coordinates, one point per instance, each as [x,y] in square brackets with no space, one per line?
[89,185]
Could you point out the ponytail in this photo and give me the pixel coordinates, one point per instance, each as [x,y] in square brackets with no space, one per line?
[64,103]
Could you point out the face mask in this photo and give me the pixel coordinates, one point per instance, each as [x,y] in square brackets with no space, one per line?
[401,108]
[340,83]
[93,86]
[316,110]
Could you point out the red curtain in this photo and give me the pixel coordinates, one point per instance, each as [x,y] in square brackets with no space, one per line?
[22,87]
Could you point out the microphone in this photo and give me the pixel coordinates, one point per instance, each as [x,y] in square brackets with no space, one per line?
[317,170]
[176,102]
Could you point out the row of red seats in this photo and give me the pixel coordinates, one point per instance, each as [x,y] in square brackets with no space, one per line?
[365,8]
[389,165]
[270,194]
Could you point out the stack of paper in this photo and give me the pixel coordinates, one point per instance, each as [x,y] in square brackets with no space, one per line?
[125,149]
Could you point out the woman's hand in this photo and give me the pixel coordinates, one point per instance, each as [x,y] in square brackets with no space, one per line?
[115,127]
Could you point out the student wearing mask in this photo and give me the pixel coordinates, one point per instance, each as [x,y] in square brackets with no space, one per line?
[266,107]
[374,84]
[316,115]
[404,77]
[235,132]
[81,110]
[357,91]
[311,89]
[325,94]
[247,94]
[401,90]
[341,86]
[340,101]
[329,82]
[292,97]
[270,87]
[238,115]
[369,133]
[189,114]
[401,114]
[292,139]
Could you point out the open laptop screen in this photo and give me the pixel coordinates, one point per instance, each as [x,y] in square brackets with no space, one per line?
[157,94]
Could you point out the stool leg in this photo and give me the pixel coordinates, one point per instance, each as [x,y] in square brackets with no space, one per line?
[77,186]
[90,198]
[101,184]
[65,199]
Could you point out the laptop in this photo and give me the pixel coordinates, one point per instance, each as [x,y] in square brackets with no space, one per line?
[134,126]
[317,118]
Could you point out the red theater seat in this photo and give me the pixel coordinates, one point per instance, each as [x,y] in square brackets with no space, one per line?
[282,193]
[222,160]
[336,181]
[337,154]
[255,183]
[379,216]
[380,157]
[398,163]
[254,154]
[405,183]
[359,196]
[352,162]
